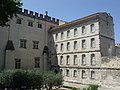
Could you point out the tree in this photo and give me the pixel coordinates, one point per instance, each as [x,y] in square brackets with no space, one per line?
[8,9]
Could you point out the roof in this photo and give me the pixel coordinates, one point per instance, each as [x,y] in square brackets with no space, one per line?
[78,21]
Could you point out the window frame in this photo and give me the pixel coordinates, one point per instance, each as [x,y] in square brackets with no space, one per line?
[37,62]
[17,63]
[23,43]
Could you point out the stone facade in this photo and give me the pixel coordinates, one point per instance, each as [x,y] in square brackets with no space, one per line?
[83,50]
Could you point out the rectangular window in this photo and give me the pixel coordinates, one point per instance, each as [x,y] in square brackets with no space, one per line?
[35,44]
[23,43]
[75,73]
[37,62]
[83,59]
[17,63]
[92,74]
[30,23]
[75,60]
[61,60]
[19,21]
[39,25]
[83,74]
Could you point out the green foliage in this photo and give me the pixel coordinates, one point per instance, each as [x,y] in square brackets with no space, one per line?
[75,88]
[92,87]
[84,88]
[8,9]
[30,79]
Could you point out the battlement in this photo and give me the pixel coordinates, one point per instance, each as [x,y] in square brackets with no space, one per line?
[39,16]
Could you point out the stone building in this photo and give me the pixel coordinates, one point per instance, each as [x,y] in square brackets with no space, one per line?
[83,50]
[24,43]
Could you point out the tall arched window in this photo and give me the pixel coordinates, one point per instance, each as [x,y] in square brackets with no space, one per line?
[61,48]
[75,45]
[75,32]
[68,60]
[75,60]
[83,59]
[92,43]
[83,30]
[62,35]
[92,28]
[68,46]
[83,44]
[93,59]
[61,60]
[68,33]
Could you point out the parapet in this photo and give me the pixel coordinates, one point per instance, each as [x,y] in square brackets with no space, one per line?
[38,16]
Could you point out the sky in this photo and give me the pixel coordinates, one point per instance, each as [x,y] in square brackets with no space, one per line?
[69,10]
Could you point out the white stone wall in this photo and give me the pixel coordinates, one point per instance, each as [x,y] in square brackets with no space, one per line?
[23,31]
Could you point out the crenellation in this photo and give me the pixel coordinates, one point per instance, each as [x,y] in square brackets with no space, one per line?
[31,13]
[39,16]
[53,20]
[36,15]
[25,12]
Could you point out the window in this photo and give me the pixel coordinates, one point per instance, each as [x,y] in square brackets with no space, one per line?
[56,47]
[83,30]
[68,33]
[62,47]
[39,25]
[17,63]
[83,44]
[61,71]
[19,21]
[92,74]
[75,32]
[68,60]
[75,45]
[92,28]
[61,60]
[75,60]
[92,43]
[23,43]
[62,35]
[56,36]
[30,23]
[37,62]
[67,73]
[83,74]
[68,46]
[83,59]
[75,73]
[92,59]
[35,44]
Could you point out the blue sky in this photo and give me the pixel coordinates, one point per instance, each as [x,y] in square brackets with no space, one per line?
[69,10]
